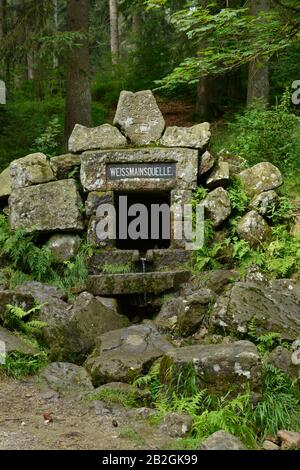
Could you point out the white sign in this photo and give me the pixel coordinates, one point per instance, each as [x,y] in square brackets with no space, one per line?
[2,92]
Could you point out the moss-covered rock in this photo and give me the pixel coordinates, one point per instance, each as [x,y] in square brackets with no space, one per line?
[261,177]
[46,207]
[274,306]
[30,170]
[218,367]
[253,228]
[123,354]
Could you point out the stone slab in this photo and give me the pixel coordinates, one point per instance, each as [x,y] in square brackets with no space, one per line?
[135,283]
[94,169]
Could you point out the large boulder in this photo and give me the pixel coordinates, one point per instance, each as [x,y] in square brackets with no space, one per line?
[281,358]
[194,137]
[14,343]
[97,169]
[64,376]
[96,199]
[40,292]
[63,165]
[5,183]
[185,314]
[253,228]
[222,440]
[91,317]
[220,368]
[274,307]
[264,202]
[206,163]
[23,300]
[32,169]
[177,424]
[235,162]
[219,176]
[63,247]
[101,137]
[215,280]
[261,177]
[46,207]
[72,330]
[217,206]
[139,117]
[123,354]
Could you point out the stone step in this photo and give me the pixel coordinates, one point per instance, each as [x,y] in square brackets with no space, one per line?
[162,259]
[136,283]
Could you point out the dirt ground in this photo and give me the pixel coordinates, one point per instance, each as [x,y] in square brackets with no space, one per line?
[75,426]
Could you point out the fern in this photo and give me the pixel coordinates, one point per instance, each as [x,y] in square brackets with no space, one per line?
[233,416]
[14,318]
[238,198]
[267,342]
[279,407]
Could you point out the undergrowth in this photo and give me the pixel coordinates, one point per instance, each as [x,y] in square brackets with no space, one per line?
[26,325]
[278,257]
[26,260]
[278,407]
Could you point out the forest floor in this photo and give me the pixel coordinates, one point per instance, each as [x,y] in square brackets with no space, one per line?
[75,426]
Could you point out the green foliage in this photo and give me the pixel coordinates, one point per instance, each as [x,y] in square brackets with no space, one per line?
[29,261]
[233,416]
[110,395]
[265,343]
[18,365]
[16,319]
[117,268]
[270,135]
[210,413]
[25,255]
[242,36]
[132,435]
[199,194]
[24,120]
[75,272]
[238,198]
[279,407]
[49,142]
[150,381]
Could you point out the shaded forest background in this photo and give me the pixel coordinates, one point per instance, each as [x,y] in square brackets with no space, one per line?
[230,62]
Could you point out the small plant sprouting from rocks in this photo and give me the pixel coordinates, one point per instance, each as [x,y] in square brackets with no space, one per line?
[19,365]
[112,396]
[117,268]
[17,319]
[278,408]
[24,323]
[267,342]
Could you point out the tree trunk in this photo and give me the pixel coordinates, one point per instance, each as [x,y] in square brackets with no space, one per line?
[1,19]
[204,107]
[78,95]
[55,20]
[2,32]
[114,31]
[258,70]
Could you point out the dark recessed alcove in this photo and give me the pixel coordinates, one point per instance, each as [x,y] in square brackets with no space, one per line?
[148,199]
[139,307]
